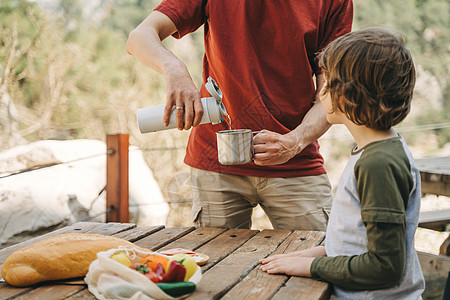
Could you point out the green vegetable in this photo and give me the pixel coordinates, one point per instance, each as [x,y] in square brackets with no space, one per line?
[142,268]
[177,289]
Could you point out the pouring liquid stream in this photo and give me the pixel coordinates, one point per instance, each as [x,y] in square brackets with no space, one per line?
[228,121]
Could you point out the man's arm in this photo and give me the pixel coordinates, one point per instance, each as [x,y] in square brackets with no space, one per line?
[272,148]
[145,44]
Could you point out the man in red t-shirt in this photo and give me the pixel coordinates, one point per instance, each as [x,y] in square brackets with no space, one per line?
[262,55]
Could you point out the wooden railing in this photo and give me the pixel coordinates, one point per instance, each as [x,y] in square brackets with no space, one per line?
[117,178]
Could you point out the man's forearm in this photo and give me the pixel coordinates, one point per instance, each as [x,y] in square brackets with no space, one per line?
[314,124]
[145,43]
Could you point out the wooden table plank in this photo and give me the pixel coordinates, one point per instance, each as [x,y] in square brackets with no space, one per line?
[8,292]
[138,233]
[434,264]
[194,239]
[224,244]
[51,292]
[163,237]
[435,175]
[435,220]
[82,295]
[111,228]
[217,243]
[260,285]
[435,165]
[229,271]
[304,289]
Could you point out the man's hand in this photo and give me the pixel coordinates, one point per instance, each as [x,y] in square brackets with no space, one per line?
[272,148]
[145,43]
[182,93]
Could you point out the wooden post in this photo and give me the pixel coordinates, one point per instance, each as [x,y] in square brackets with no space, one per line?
[445,247]
[117,178]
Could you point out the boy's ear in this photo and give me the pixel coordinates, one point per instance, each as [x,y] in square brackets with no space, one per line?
[341,101]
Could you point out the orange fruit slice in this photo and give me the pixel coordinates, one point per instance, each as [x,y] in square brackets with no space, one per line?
[152,261]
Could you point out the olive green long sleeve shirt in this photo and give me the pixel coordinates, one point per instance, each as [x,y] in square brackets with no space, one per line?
[370,234]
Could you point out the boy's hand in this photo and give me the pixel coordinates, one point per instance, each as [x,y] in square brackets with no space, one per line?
[289,265]
[310,252]
[291,254]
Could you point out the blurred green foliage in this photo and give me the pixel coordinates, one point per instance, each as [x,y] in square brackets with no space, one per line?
[65,74]
[426,25]
[66,70]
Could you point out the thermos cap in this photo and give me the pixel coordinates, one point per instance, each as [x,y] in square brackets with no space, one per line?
[213,89]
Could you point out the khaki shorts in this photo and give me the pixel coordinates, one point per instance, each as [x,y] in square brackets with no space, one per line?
[226,200]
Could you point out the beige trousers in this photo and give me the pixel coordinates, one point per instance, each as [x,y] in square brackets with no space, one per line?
[226,200]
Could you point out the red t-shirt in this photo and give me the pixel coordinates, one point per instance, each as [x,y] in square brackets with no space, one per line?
[261,54]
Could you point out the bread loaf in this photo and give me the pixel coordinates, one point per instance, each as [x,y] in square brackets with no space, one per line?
[59,257]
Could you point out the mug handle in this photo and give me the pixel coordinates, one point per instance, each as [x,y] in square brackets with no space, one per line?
[253,149]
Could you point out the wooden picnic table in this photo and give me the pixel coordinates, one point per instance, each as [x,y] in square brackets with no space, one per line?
[435,179]
[232,271]
[435,175]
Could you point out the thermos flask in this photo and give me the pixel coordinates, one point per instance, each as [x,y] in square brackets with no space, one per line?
[150,119]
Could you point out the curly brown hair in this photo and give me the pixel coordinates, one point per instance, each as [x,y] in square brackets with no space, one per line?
[373,74]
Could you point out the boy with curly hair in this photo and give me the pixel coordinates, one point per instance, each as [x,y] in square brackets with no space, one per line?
[369,249]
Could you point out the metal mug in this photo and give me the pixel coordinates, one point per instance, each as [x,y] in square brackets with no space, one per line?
[235,147]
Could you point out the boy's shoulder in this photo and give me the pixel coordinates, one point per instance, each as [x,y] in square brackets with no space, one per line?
[383,153]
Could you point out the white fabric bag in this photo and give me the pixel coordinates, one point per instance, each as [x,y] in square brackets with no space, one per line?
[108,279]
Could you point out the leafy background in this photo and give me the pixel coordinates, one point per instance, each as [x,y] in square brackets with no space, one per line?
[65,74]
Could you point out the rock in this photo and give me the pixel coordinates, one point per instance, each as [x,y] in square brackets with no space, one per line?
[8,120]
[63,182]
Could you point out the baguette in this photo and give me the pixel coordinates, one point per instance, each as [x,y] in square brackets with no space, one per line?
[59,257]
